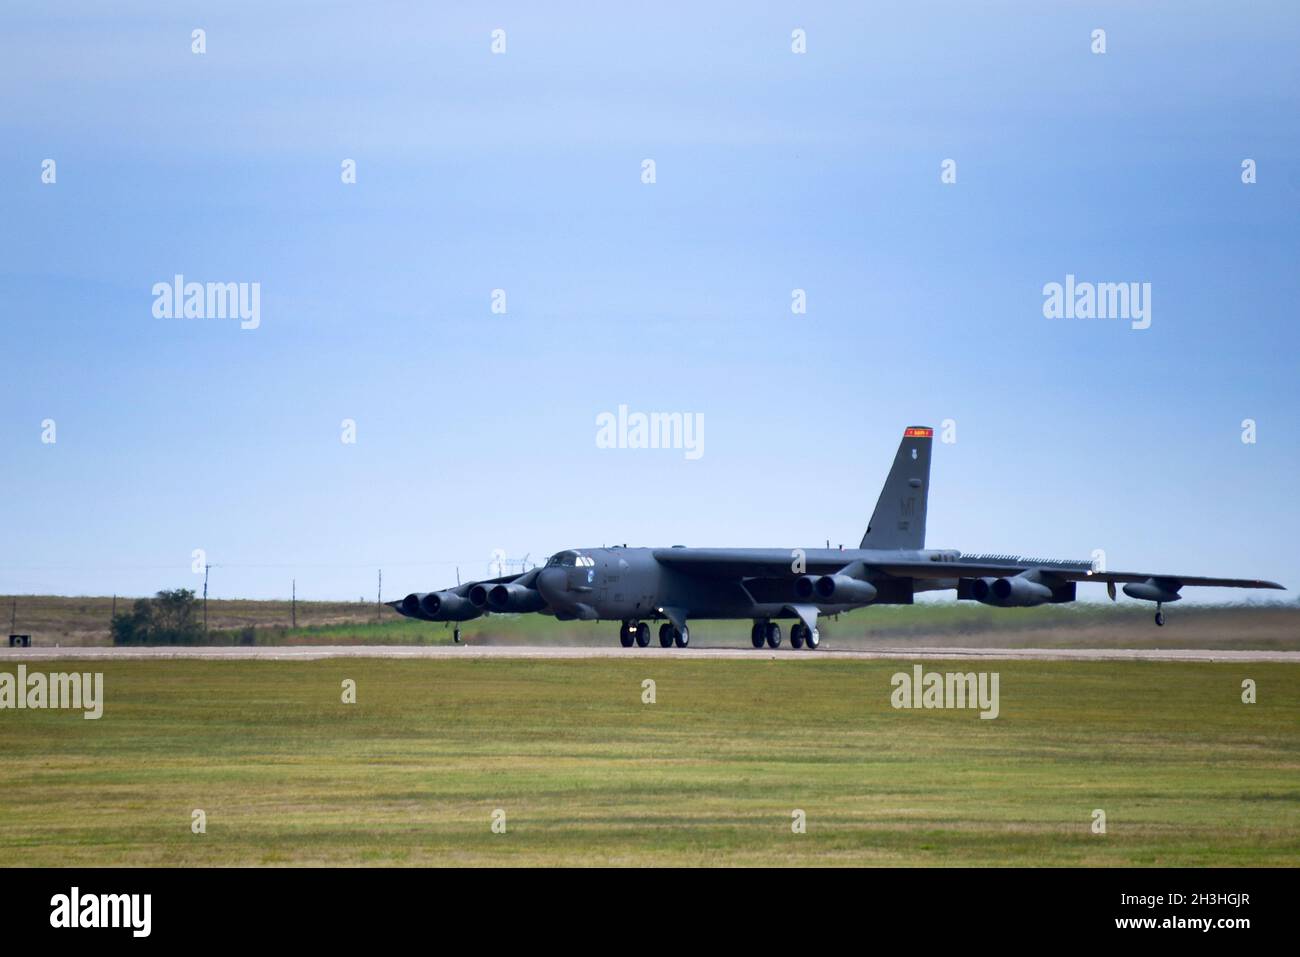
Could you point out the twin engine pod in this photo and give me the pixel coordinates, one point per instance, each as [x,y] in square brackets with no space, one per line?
[1017,592]
[438,606]
[506,598]
[835,590]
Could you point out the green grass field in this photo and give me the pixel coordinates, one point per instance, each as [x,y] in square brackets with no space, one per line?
[710,774]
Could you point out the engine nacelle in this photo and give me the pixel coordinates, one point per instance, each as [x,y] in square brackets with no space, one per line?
[1017,592]
[444,606]
[411,605]
[513,598]
[843,590]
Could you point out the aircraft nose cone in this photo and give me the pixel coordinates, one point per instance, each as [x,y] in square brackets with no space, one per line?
[550,582]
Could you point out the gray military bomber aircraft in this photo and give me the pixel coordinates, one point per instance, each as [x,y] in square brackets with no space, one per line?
[672,585]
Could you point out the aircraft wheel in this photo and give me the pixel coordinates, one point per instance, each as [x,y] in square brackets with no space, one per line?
[796,636]
[643,635]
[773,635]
[626,634]
[682,637]
[665,636]
[455,636]
[756,634]
[813,639]
[1160,618]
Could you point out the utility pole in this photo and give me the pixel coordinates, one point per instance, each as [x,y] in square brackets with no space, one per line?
[379,596]
[206,566]
[13,616]
[293,605]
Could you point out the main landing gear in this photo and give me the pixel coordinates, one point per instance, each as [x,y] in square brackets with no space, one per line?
[801,635]
[769,633]
[638,632]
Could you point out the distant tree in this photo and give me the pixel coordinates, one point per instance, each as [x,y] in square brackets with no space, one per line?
[169,618]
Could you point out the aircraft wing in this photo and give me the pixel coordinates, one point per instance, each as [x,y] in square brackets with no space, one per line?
[778,563]
[463,588]
[1066,571]
[752,562]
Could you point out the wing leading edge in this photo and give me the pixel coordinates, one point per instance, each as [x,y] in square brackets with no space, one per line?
[1063,571]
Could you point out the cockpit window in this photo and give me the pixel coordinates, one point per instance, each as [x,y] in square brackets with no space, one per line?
[570,560]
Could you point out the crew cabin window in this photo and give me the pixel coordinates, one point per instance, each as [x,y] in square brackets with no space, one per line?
[570,560]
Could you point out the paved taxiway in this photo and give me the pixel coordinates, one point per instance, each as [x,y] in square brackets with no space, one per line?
[563,652]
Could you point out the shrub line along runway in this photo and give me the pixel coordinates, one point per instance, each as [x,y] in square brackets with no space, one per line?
[562,652]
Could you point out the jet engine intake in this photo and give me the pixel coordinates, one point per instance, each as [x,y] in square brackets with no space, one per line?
[445,606]
[513,598]
[1016,592]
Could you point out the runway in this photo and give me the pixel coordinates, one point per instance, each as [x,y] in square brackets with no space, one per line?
[571,652]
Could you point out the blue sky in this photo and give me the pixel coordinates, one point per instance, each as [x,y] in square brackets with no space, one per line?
[522,172]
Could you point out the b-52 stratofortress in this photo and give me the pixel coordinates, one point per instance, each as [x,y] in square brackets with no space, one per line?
[635,586]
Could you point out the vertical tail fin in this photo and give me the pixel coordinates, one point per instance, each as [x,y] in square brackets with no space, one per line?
[899,518]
